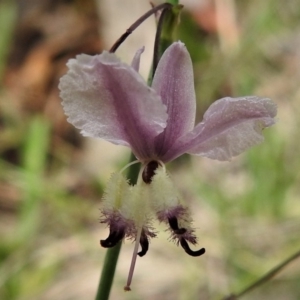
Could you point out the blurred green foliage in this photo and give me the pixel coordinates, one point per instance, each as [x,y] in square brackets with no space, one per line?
[7,18]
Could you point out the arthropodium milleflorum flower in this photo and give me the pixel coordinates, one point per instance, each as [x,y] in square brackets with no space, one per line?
[108,99]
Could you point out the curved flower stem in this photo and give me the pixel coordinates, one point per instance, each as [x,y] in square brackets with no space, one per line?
[137,24]
[265,278]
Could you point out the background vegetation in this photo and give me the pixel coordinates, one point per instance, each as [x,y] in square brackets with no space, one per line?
[246,211]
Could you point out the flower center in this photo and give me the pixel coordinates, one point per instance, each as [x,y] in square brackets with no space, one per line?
[149,171]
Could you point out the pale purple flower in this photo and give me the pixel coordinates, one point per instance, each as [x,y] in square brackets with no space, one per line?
[108,99]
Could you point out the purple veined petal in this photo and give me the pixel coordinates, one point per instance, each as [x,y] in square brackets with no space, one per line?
[174,82]
[135,64]
[108,99]
[229,127]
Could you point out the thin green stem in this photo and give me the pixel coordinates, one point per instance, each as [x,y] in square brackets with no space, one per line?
[156,52]
[165,34]
[108,272]
[265,278]
[174,2]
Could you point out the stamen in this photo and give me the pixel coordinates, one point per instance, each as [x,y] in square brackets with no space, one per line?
[130,164]
[113,238]
[188,250]
[173,222]
[133,260]
[149,171]
[144,244]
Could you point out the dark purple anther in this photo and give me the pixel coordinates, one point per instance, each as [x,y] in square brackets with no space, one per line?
[144,244]
[174,226]
[113,238]
[188,250]
[149,171]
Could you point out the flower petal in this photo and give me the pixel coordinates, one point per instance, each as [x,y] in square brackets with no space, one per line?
[229,127]
[108,99]
[174,82]
[135,64]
